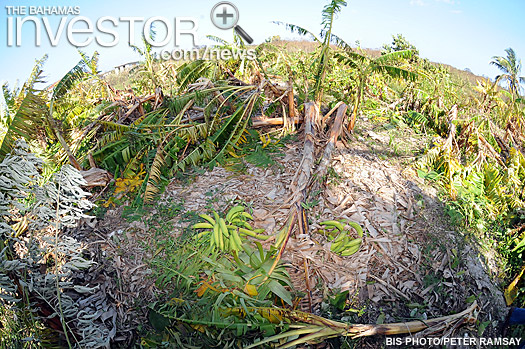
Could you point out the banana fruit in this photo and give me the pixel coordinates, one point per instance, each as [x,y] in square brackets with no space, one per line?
[225,233]
[203,225]
[341,242]
[208,218]
[336,224]
[346,246]
[233,212]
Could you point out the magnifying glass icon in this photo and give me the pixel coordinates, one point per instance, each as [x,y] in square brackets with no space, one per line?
[225,15]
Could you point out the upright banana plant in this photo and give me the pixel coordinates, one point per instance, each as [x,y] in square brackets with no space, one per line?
[239,66]
[78,73]
[34,108]
[148,68]
[24,111]
[366,66]
[329,12]
[489,95]
[322,62]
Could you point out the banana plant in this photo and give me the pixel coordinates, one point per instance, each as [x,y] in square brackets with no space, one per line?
[59,93]
[43,111]
[25,122]
[489,95]
[322,63]
[238,66]
[165,143]
[147,69]
[24,111]
[366,66]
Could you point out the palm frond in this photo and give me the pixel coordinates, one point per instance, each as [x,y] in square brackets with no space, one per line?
[511,56]
[501,64]
[396,72]
[217,39]
[511,68]
[394,56]
[329,11]
[191,71]
[154,174]
[298,30]
[69,80]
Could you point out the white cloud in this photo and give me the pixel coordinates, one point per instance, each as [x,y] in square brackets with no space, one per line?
[456,12]
[417,3]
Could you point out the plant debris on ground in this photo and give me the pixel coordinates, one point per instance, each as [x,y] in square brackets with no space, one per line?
[309,198]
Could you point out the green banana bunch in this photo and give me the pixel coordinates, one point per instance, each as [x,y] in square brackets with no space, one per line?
[342,244]
[226,232]
[346,246]
[237,217]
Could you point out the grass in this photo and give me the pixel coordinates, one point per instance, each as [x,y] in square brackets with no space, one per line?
[27,333]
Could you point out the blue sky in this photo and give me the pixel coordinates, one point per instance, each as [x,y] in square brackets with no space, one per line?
[462,33]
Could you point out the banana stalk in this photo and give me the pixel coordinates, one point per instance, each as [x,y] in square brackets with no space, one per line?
[315,329]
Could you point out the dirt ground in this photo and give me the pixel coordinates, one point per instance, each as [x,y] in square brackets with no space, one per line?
[412,263]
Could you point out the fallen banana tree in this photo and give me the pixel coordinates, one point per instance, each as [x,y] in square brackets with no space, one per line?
[306,328]
[310,328]
[315,329]
[301,180]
